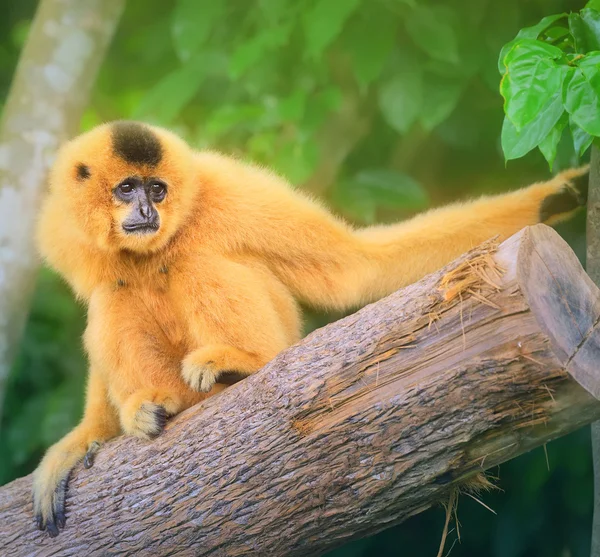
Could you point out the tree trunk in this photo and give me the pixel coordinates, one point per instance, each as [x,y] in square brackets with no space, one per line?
[361,425]
[593,269]
[49,92]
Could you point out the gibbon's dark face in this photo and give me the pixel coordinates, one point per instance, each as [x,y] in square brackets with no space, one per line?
[126,185]
[142,195]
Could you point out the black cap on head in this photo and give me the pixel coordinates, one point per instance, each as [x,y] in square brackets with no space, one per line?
[136,143]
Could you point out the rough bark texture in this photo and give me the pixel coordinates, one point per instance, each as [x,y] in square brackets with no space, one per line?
[49,92]
[593,269]
[363,424]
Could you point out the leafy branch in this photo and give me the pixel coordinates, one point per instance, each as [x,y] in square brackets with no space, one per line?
[551,84]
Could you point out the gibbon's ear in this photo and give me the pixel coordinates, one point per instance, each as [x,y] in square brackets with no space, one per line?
[83,172]
[573,195]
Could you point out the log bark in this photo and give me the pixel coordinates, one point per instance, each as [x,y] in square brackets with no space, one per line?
[361,425]
[48,95]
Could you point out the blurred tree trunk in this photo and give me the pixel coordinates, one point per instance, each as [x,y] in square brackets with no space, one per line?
[593,269]
[50,90]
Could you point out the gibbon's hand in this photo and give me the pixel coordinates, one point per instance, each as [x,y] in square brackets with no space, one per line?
[570,196]
[202,368]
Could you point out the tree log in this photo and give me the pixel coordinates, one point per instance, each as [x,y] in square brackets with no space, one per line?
[361,425]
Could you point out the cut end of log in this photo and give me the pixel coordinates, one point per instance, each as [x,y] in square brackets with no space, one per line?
[564,301]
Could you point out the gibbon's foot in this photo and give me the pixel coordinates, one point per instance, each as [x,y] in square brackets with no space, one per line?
[53,518]
[570,196]
[149,421]
[51,479]
[202,368]
[145,413]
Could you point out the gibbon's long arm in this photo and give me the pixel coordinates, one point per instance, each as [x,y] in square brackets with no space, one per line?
[325,263]
[99,423]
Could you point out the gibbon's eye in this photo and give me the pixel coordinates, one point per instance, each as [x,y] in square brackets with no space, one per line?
[158,191]
[126,190]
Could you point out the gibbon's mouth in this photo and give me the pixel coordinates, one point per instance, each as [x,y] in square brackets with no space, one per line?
[141,228]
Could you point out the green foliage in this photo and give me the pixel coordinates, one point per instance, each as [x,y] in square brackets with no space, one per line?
[551,77]
[382,108]
[430,28]
[44,393]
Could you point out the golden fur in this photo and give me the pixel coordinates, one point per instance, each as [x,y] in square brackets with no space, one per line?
[217,287]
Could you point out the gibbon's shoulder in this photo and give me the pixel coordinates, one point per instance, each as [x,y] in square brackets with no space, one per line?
[239,183]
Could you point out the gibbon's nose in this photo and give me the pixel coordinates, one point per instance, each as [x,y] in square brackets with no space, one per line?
[143,219]
[148,211]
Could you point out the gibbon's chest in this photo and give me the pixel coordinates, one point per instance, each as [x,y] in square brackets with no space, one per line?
[145,300]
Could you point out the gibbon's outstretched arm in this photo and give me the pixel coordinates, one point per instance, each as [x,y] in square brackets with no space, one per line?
[325,263]
[99,423]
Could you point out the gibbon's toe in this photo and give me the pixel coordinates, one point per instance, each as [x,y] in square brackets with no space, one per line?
[88,459]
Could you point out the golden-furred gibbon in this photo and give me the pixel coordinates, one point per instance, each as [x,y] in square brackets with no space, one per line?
[193,264]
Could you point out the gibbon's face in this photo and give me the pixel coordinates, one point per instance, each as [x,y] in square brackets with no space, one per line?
[124,185]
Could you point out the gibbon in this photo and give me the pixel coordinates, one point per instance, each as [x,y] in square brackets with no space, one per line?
[193,264]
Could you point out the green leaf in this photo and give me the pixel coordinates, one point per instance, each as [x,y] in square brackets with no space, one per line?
[324,22]
[192,23]
[549,145]
[430,28]
[581,139]
[163,102]
[582,93]
[292,107]
[532,78]
[400,99]
[369,38]
[360,196]
[516,144]
[319,106]
[392,189]
[354,202]
[250,52]
[594,5]
[440,97]
[585,28]
[532,32]
[227,117]
[554,33]
[296,160]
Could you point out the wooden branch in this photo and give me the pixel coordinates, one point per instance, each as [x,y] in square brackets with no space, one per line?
[50,90]
[363,424]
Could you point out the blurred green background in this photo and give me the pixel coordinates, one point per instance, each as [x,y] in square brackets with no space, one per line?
[381,107]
